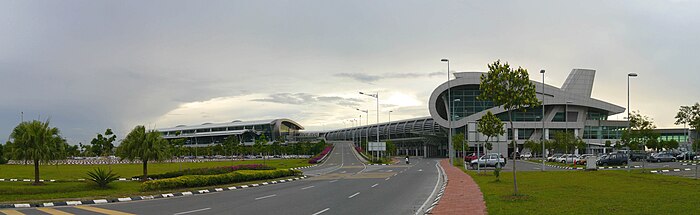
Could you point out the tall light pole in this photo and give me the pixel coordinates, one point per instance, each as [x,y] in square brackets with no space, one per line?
[542,136]
[367,118]
[566,119]
[376,96]
[449,118]
[628,114]
[452,111]
[388,132]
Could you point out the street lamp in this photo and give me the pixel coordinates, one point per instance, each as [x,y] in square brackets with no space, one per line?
[628,114]
[542,136]
[367,120]
[449,118]
[376,96]
[388,131]
[452,112]
[566,119]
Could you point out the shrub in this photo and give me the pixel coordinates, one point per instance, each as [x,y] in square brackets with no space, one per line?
[102,177]
[210,171]
[318,157]
[210,180]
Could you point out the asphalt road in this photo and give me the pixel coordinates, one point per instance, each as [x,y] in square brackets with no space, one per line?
[341,185]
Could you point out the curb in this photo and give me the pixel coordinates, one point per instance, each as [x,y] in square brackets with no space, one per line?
[439,195]
[137,198]
[669,170]
[303,167]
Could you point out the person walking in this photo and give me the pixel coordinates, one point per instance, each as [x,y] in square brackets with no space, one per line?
[406,159]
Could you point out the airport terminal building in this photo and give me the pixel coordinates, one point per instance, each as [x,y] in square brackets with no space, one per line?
[247,132]
[569,107]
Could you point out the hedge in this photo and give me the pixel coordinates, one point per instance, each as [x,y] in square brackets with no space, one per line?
[209,171]
[318,157]
[210,180]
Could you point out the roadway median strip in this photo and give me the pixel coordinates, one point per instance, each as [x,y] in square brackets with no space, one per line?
[137,198]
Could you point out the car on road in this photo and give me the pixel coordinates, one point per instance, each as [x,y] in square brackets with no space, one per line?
[525,155]
[661,157]
[567,158]
[612,159]
[638,155]
[489,160]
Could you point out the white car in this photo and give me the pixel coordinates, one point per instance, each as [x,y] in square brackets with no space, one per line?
[525,155]
[490,160]
[567,158]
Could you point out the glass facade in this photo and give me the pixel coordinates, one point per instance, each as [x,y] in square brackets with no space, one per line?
[559,117]
[678,137]
[603,132]
[593,114]
[525,133]
[467,104]
[528,115]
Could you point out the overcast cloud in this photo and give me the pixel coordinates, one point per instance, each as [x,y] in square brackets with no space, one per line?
[92,65]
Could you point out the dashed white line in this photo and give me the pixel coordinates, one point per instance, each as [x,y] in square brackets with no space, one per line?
[375,185]
[308,187]
[320,212]
[387,179]
[192,211]
[333,181]
[265,197]
[353,195]
[343,171]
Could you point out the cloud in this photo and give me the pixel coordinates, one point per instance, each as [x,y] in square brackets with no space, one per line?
[361,77]
[305,98]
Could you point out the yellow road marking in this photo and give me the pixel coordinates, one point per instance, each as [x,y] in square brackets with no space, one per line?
[11,212]
[102,210]
[53,211]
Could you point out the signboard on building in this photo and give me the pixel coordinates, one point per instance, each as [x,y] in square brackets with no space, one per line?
[377,146]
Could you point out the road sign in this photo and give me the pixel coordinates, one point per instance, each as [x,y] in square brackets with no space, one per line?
[377,146]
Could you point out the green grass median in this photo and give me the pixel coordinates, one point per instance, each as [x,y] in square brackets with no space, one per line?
[72,172]
[589,192]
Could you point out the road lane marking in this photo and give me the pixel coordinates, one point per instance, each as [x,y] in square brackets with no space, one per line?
[265,197]
[192,211]
[102,210]
[353,195]
[420,170]
[320,212]
[11,212]
[53,211]
[343,172]
[308,187]
[387,179]
[375,185]
[333,181]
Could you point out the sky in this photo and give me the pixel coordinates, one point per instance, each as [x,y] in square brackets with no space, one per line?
[91,65]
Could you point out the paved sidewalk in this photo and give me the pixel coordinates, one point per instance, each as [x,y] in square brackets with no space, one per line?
[462,194]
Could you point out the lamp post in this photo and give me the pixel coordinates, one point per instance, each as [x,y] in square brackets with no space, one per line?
[628,114]
[376,96]
[388,132]
[566,120]
[367,133]
[452,112]
[542,136]
[449,118]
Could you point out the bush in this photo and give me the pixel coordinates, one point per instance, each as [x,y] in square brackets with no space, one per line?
[210,180]
[102,177]
[318,157]
[210,171]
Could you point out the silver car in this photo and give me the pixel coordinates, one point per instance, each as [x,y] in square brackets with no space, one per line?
[490,160]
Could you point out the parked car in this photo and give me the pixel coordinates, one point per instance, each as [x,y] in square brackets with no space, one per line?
[526,155]
[553,157]
[472,156]
[490,160]
[582,159]
[638,155]
[613,159]
[685,156]
[661,157]
[567,158]
[697,158]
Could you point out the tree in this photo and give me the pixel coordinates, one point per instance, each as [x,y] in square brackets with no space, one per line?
[690,115]
[458,141]
[608,144]
[641,132]
[534,146]
[512,90]
[143,145]
[490,126]
[580,145]
[564,141]
[102,145]
[671,144]
[231,144]
[3,160]
[390,148]
[38,142]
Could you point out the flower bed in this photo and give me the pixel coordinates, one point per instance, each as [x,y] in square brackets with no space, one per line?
[321,155]
[211,180]
[210,171]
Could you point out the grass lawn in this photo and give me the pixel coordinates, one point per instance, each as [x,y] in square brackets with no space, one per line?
[589,192]
[24,192]
[72,172]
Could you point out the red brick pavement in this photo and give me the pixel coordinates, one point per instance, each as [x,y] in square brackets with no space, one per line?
[462,195]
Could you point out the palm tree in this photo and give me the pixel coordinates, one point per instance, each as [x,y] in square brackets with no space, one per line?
[144,145]
[38,142]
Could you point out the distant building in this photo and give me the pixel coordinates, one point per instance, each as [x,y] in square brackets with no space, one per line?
[247,131]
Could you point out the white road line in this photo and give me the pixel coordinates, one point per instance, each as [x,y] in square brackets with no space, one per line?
[343,172]
[333,181]
[387,179]
[320,212]
[192,211]
[375,185]
[308,187]
[265,197]
[353,195]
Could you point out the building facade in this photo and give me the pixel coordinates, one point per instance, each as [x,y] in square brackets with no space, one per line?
[206,134]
